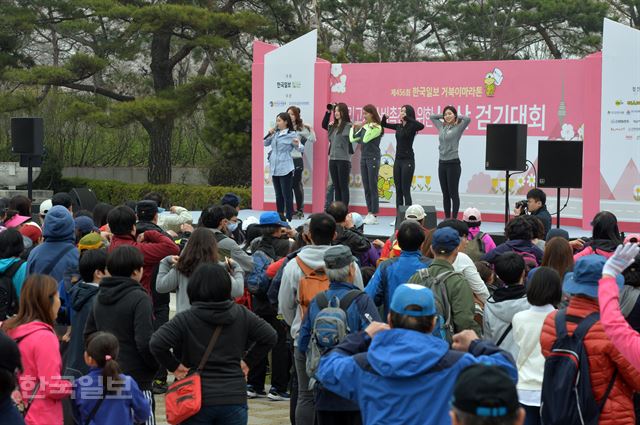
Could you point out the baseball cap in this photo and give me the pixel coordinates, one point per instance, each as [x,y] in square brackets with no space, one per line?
[10,358]
[337,257]
[486,391]
[45,206]
[146,209]
[471,215]
[230,199]
[585,276]
[16,221]
[445,240]
[90,241]
[557,233]
[85,225]
[272,218]
[357,219]
[32,231]
[410,294]
[414,212]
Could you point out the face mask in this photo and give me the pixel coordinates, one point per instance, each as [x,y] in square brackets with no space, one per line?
[232,226]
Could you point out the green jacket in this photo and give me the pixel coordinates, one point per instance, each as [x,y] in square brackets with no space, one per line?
[460,296]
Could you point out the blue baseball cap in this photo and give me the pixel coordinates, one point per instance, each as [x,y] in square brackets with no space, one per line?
[445,240]
[85,225]
[586,274]
[411,294]
[272,218]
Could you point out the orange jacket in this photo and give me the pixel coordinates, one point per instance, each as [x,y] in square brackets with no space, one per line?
[604,359]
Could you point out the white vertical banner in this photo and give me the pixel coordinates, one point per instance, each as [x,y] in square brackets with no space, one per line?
[620,132]
[289,81]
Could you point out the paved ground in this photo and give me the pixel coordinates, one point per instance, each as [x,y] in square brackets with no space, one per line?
[262,411]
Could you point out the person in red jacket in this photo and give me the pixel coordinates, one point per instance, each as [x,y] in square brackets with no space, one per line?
[604,358]
[153,245]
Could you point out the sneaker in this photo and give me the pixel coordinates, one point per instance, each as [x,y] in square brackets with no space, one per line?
[159,386]
[276,395]
[372,220]
[299,215]
[368,219]
[253,393]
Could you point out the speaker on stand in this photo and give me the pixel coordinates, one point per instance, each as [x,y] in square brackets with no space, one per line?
[560,166]
[506,150]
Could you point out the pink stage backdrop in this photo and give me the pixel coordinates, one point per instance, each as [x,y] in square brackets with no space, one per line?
[557,99]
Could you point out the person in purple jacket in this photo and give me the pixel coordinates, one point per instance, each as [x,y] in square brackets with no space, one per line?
[519,234]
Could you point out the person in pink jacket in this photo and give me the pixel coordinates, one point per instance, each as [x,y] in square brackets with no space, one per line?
[625,339]
[41,385]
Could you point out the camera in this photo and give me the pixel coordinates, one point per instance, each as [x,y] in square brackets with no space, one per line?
[523,206]
[330,106]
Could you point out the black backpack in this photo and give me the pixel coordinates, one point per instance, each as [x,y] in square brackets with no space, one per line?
[8,296]
[567,395]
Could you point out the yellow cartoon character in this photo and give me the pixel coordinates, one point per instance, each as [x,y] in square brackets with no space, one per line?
[385,180]
[491,81]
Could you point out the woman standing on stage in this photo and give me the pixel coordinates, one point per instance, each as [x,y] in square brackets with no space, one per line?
[283,140]
[368,134]
[449,169]
[340,149]
[306,134]
[405,163]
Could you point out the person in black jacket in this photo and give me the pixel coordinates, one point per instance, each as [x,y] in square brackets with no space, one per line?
[537,206]
[405,164]
[124,309]
[224,396]
[346,233]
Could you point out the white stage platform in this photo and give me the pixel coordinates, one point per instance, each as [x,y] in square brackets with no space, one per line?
[384,229]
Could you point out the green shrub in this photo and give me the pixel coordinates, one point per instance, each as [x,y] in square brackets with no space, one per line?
[191,197]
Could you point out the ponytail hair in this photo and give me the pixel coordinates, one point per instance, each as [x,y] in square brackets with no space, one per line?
[103,347]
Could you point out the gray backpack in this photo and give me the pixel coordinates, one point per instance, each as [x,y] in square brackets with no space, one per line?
[444,326]
[330,327]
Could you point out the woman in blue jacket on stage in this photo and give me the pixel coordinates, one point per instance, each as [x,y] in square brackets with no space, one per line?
[283,140]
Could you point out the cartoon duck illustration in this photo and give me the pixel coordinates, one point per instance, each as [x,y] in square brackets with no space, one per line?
[385,178]
[491,81]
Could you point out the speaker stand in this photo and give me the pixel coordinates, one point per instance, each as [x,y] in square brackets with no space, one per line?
[506,197]
[29,178]
[558,210]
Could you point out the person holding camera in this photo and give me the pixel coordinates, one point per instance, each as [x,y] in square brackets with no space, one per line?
[536,206]
[340,149]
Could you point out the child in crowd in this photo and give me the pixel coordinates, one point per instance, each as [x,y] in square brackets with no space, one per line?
[479,242]
[104,395]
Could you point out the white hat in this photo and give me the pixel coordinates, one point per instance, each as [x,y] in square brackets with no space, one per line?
[249,221]
[45,206]
[414,212]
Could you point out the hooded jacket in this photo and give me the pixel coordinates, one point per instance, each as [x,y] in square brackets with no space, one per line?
[288,302]
[122,408]
[40,353]
[603,247]
[516,245]
[604,360]
[487,240]
[82,296]
[123,308]
[401,381]
[189,333]
[154,248]
[20,274]
[498,314]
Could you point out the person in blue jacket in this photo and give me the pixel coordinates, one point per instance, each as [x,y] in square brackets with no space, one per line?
[283,140]
[400,373]
[397,270]
[340,269]
[57,256]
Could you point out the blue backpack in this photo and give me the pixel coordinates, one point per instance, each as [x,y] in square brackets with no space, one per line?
[257,281]
[567,395]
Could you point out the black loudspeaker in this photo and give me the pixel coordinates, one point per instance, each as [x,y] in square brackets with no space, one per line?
[27,135]
[84,198]
[36,160]
[430,219]
[506,147]
[560,163]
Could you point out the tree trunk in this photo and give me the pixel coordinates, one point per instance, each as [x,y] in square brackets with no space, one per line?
[160,129]
[160,132]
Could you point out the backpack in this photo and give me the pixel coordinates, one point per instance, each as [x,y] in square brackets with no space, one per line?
[311,283]
[567,395]
[475,248]
[8,295]
[330,327]
[530,260]
[444,325]
[257,281]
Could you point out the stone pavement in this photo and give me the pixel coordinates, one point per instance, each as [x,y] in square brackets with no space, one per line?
[262,411]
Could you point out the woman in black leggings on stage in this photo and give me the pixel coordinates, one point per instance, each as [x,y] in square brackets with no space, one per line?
[405,163]
[340,149]
[450,127]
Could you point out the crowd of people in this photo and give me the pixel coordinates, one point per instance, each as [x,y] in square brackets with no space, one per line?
[432,326]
